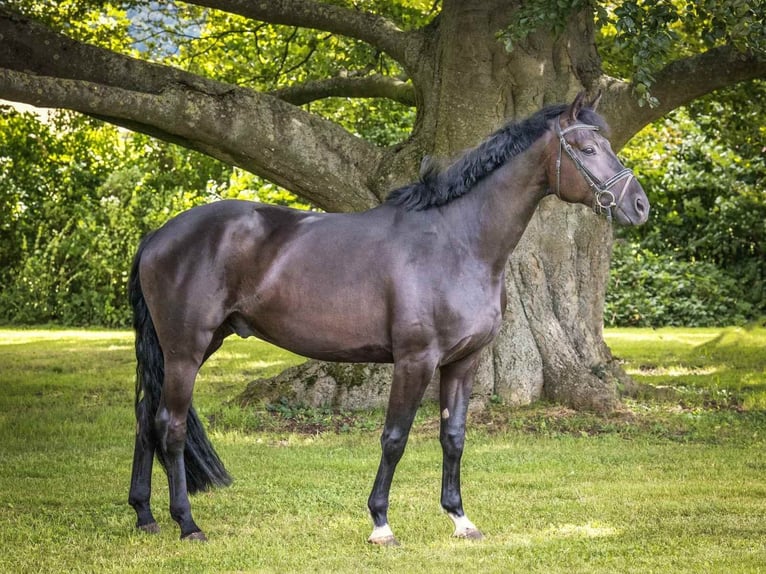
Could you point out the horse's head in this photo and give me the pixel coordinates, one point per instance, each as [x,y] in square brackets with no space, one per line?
[584,169]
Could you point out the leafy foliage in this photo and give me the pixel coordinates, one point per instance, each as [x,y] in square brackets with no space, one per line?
[638,37]
[99,22]
[651,290]
[701,258]
[80,195]
[266,57]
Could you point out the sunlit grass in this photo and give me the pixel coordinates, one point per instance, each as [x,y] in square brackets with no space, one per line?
[671,371]
[24,336]
[727,366]
[673,486]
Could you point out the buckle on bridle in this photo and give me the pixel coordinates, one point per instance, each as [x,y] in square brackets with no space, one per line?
[600,206]
[610,202]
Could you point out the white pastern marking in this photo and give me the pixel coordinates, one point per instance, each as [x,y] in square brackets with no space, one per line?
[462,524]
[381,532]
[445,414]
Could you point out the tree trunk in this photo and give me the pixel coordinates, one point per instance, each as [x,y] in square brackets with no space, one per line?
[559,281]
[551,344]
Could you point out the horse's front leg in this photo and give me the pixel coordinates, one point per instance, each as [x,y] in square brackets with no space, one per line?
[455,391]
[411,377]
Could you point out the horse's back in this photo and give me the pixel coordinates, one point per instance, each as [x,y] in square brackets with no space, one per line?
[190,265]
[309,282]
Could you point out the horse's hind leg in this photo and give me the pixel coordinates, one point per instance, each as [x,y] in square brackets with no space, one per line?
[171,432]
[141,479]
[455,391]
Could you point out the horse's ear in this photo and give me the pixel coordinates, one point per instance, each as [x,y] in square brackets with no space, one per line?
[577,105]
[593,105]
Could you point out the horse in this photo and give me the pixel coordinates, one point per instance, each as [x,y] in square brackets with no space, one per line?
[417,281]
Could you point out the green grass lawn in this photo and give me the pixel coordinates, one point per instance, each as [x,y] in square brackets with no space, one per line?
[672,482]
[723,367]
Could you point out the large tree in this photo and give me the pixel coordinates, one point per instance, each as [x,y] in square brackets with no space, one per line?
[466,66]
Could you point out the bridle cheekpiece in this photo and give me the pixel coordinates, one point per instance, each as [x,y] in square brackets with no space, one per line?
[604,197]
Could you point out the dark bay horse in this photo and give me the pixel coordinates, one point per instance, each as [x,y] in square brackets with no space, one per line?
[417,281]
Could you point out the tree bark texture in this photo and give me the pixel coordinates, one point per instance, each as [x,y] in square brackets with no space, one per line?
[464,84]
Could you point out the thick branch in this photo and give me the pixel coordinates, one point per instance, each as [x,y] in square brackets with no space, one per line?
[375,86]
[312,156]
[28,46]
[373,29]
[675,85]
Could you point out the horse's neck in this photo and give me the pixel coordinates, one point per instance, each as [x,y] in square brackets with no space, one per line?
[505,201]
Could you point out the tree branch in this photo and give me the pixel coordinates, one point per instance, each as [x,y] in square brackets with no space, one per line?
[675,85]
[373,29]
[374,86]
[26,45]
[315,158]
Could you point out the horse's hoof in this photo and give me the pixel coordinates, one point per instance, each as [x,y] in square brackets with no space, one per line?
[199,536]
[151,527]
[464,528]
[469,534]
[382,536]
[384,541]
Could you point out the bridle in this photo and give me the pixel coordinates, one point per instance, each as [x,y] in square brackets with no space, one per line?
[604,197]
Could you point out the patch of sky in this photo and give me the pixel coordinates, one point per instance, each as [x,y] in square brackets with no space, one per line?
[159,27]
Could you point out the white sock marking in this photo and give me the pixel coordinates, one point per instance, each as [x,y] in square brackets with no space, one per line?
[462,524]
[380,532]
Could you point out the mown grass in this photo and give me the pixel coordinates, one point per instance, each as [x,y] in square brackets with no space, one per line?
[713,367]
[673,482]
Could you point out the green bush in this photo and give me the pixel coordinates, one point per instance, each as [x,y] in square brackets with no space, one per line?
[76,196]
[651,290]
[706,236]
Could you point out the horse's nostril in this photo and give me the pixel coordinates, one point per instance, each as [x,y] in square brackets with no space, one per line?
[640,205]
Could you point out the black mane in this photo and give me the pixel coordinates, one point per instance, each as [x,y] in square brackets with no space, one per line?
[438,186]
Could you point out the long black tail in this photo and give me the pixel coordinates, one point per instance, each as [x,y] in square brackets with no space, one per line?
[203,467]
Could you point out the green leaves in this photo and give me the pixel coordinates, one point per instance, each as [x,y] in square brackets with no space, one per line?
[650,289]
[700,260]
[99,22]
[539,15]
[638,38]
[642,36]
[268,57]
[738,22]
[76,196]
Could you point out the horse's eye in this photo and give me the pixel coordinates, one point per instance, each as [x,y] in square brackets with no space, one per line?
[589,150]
